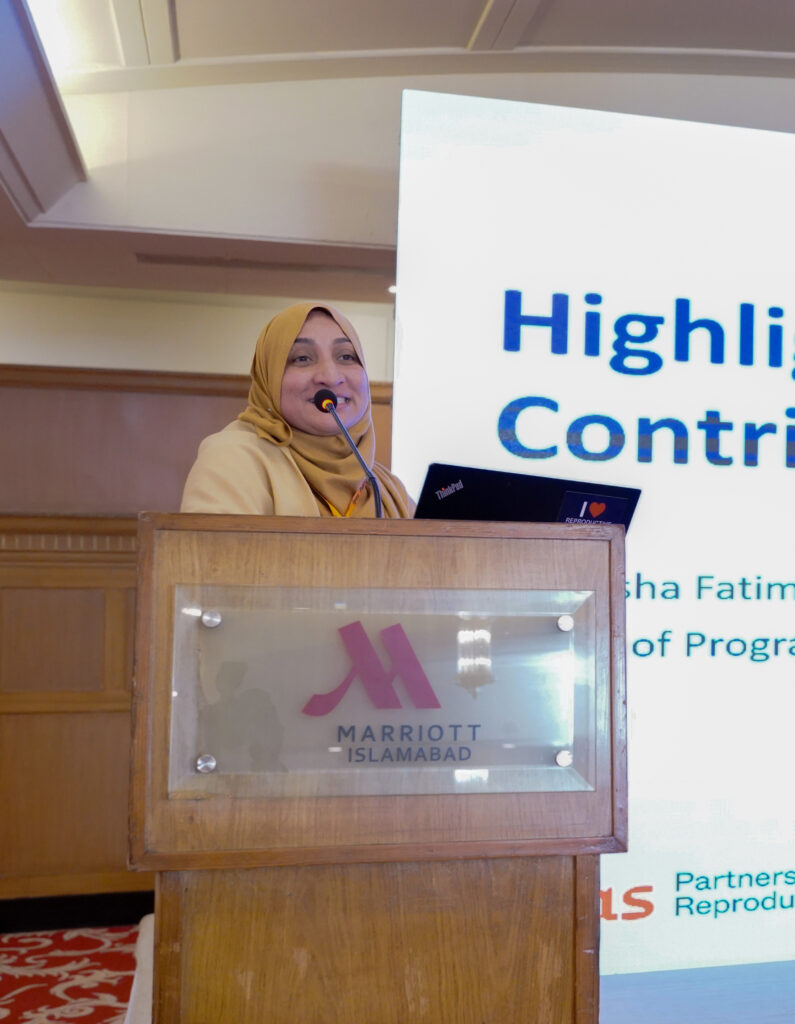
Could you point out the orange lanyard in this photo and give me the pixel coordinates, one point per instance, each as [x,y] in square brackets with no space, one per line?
[358,494]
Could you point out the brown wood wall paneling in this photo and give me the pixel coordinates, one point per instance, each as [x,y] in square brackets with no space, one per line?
[81,452]
[104,442]
[67,605]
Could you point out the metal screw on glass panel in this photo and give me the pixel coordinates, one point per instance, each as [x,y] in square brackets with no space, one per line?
[211,619]
[565,623]
[206,763]
[564,759]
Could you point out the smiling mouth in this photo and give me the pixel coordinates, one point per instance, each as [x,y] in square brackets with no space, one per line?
[341,400]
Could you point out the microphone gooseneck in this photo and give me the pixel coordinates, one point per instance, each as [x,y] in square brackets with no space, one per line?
[326,401]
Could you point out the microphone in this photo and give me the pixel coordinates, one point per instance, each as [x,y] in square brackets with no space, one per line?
[326,401]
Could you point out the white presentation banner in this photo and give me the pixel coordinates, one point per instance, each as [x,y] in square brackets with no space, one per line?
[608,298]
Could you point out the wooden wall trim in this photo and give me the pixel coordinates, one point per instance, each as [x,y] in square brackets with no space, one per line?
[381,393]
[67,534]
[63,702]
[226,385]
[76,884]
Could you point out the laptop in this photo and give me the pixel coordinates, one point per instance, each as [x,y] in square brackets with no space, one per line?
[464,492]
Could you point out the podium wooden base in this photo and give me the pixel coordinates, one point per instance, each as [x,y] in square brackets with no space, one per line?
[430,942]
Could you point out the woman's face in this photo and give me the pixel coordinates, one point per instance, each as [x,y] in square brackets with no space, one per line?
[322,357]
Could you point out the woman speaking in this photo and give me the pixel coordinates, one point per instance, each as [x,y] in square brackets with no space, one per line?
[285,455]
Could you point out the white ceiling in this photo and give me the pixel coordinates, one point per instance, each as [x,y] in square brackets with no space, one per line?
[105,46]
[119,42]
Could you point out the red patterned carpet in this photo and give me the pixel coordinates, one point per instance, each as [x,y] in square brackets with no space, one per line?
[81,974]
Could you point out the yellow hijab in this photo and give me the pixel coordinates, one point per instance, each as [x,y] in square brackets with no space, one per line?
[327,463]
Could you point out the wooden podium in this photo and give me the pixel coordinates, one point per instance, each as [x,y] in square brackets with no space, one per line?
[375,763]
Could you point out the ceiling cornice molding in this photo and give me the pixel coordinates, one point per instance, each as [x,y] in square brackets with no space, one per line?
[503,24]
[438,62]
[160,25]
[39,157]
[130,33]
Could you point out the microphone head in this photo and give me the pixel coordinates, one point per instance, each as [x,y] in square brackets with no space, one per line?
[325,399]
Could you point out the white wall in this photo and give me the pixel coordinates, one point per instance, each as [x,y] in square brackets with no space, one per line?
[110,328]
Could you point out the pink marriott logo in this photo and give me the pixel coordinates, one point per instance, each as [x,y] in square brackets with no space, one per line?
[376,679]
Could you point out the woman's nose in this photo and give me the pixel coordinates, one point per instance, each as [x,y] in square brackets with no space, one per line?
[328,373]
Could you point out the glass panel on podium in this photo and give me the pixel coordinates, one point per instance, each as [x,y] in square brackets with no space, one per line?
[292,692]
